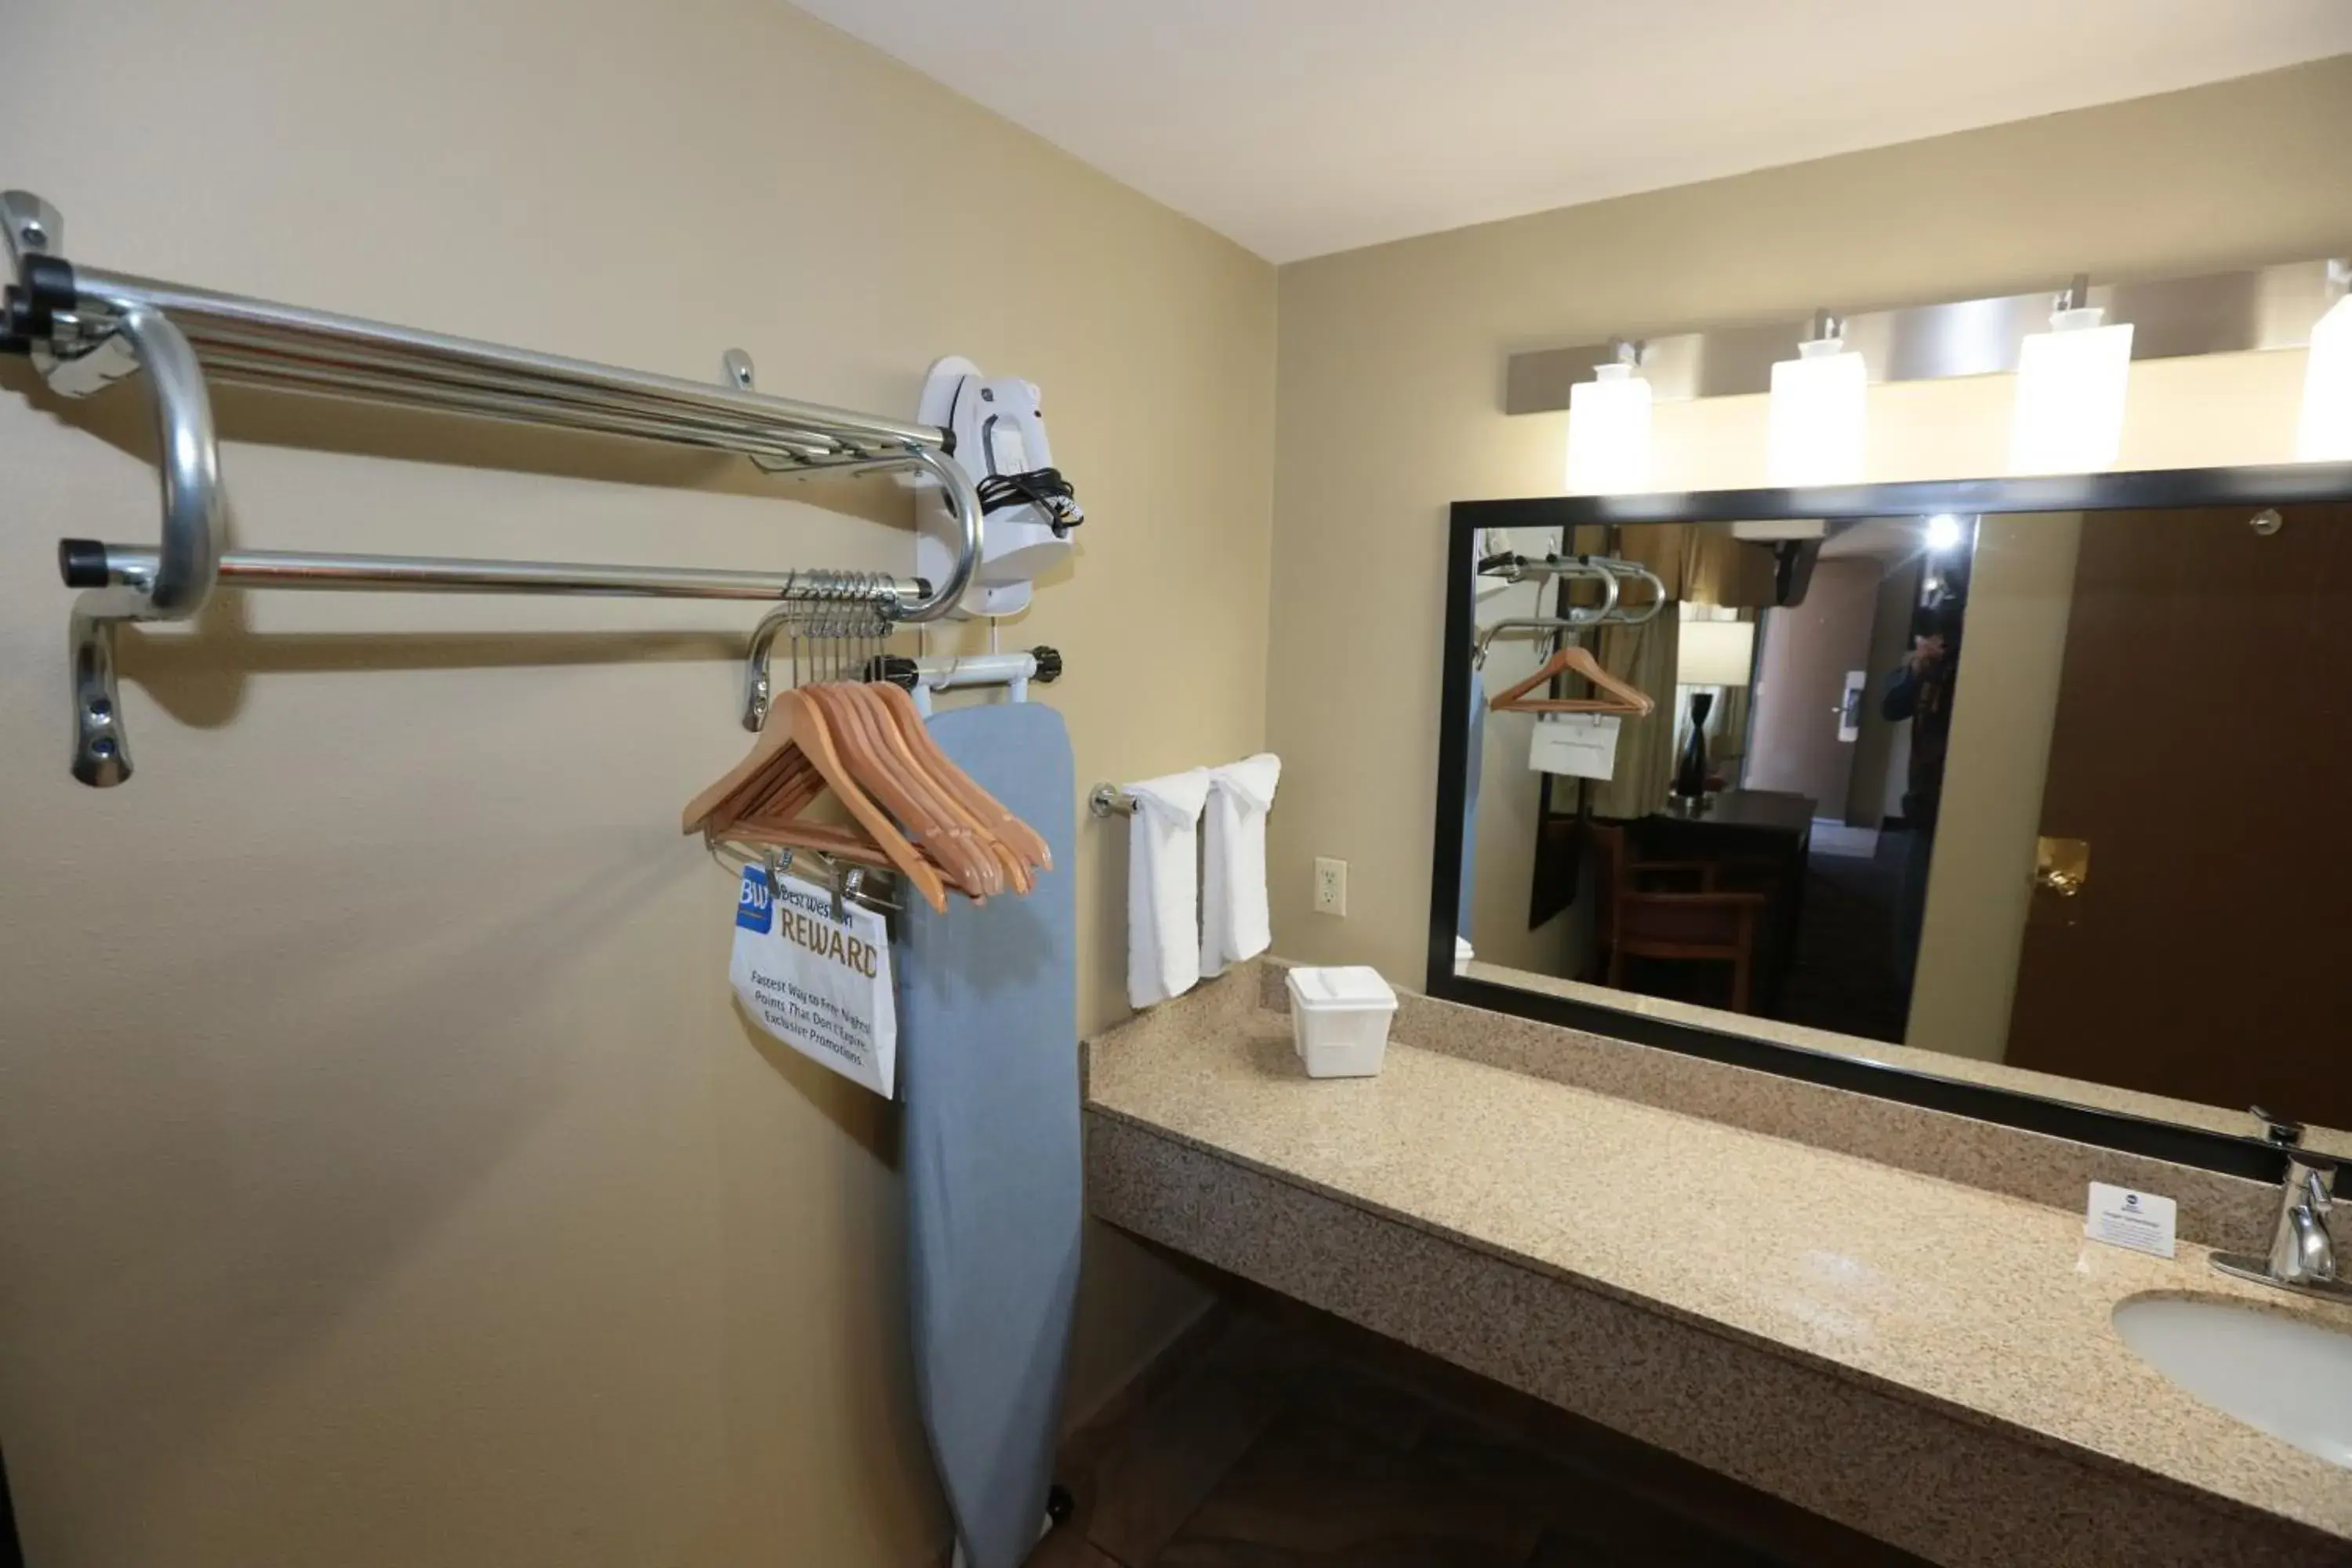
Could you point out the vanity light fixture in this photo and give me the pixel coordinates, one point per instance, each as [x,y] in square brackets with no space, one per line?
[1609,426]
[2325,431]
[1819,409]
[2069,414]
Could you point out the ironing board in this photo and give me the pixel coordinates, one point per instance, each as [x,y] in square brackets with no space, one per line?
[989,1062]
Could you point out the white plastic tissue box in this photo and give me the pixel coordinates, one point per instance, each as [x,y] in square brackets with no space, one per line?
[1340,1020]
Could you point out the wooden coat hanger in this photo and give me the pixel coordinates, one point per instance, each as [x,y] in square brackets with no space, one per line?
[938,780]
[786,791]
[879,763]
[763,794]
[1627,701]
[834,842]
[946,781]
[940,777]
[1024,842]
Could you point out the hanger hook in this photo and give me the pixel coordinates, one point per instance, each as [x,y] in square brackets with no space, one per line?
[841,628]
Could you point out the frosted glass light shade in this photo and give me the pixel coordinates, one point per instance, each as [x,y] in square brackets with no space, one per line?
[1715,653]
[1819,413]
[2324,434]
[1609,432]
[2069,416]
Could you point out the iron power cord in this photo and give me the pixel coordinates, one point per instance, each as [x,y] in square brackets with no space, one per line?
[1045,488]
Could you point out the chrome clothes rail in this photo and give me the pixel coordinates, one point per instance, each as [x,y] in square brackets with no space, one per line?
[85,329]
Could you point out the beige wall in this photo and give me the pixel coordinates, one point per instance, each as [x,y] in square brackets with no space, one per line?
[1391,365]
[390,1180]
[2004,706]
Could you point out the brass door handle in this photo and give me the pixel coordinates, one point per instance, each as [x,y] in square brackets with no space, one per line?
[2061,866]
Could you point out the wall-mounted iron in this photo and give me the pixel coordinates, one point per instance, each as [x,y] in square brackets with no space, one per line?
[999,429]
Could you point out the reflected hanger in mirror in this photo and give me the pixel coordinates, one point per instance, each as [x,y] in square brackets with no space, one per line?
[1616,695]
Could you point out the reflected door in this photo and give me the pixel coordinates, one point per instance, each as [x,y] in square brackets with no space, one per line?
[2202,750]
[1797,743]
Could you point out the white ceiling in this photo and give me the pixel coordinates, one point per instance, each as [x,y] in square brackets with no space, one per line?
[1299,127]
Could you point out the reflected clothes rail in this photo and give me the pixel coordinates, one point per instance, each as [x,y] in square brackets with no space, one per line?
[85,329]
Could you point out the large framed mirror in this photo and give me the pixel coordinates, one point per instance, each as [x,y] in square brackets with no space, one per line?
[2010,797]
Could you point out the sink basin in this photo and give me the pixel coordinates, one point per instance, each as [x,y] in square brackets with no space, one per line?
[2286,1375]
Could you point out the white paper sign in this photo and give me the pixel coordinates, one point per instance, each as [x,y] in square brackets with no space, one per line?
[1582,745]
[2121,1217]
[821,986]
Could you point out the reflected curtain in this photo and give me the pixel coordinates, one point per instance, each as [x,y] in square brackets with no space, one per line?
[1714,568]
[1699,563]
[1643,657]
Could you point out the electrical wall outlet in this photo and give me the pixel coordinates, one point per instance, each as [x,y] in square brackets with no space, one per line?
[1330,886]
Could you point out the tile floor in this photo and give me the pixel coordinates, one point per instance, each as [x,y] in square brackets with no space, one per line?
[1292,1442]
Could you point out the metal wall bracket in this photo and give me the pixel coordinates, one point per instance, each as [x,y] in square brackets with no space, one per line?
[834,608]
[180,575]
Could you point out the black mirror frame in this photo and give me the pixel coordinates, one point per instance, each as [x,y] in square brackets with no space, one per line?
[2276,485]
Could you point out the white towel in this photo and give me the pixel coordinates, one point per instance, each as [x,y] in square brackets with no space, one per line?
[1164,886]
[1234,924]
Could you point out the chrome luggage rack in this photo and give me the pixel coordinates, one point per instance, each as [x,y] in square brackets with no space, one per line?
[85,329]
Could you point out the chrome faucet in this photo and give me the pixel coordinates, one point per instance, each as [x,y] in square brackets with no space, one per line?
[2302,1248]
[2302,1256]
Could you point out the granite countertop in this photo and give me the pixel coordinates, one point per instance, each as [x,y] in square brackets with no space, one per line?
[1990,1307]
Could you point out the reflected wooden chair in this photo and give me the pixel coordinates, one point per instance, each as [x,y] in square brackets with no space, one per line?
[1672,909]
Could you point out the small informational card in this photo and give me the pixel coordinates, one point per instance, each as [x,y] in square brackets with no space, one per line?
[2122,1218]
[1580,745]
[821,986]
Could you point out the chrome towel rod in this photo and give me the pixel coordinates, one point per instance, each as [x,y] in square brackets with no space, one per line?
[85,329]
[1107,800]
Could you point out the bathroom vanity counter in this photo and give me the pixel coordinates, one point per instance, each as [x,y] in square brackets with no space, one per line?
[1927,1361]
